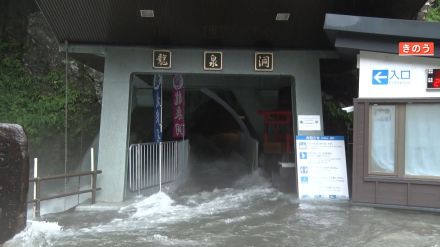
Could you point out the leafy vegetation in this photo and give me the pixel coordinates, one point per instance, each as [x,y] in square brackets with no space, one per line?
[37,101]
[333,109]
[434,12]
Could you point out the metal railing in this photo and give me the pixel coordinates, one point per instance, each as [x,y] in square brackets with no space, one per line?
[37,199]
[154,164]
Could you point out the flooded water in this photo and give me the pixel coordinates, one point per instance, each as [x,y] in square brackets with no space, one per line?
[244,211]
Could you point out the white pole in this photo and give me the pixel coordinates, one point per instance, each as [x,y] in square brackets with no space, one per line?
[92,160]
[92,165]
[66,110]
[35,184]
[35,176]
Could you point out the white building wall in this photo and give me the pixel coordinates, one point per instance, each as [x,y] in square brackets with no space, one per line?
[396,83]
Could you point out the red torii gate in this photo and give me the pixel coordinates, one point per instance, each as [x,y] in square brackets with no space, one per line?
[277,136]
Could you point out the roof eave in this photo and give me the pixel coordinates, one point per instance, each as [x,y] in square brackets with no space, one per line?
[351,34]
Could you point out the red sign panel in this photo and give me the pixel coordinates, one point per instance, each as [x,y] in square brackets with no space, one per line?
[433,79]
[178,108]
[416,48]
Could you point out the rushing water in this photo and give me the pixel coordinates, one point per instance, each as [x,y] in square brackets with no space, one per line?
[245,211]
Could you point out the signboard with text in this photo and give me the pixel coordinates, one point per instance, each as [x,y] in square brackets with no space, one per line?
[322,171]
[263,61]
[213,60]
[416,48]
[162,59]
[392,76]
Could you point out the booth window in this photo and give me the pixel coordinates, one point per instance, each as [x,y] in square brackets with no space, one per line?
[405,140]
[383,137]
[422,140]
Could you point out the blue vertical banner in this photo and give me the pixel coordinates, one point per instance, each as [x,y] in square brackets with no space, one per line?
[157,97]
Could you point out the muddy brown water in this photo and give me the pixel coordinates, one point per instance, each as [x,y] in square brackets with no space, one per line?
[245,211]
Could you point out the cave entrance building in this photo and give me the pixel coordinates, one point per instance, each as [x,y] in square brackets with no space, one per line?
[119,38]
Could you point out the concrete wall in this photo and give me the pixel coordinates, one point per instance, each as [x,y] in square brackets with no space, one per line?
[121,62]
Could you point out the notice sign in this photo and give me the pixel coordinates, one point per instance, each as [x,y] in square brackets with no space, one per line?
[322,171]
[309,122]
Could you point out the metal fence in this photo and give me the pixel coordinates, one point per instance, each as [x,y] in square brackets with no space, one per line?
[154,164]
[36,180]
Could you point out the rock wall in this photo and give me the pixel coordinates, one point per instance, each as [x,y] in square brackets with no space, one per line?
[14,180]
[13,18]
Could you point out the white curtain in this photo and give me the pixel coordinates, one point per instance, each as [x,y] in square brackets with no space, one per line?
[383,138]
[422,140]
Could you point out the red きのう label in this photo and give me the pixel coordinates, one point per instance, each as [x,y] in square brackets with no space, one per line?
[416,48]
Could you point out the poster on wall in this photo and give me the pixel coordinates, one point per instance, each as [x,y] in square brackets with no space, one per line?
[178,107]
[322,171]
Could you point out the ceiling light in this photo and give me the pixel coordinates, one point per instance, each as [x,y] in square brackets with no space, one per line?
[282,17]
[147,13]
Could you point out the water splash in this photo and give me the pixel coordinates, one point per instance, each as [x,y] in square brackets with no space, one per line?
[36,233]
[250,213]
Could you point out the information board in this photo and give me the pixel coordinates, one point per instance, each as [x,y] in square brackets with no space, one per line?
[322,171]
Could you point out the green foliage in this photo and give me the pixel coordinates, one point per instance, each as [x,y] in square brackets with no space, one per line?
[434,12]
[335,112]
[37,102]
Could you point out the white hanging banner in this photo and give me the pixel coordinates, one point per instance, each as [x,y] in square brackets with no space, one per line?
[322,171]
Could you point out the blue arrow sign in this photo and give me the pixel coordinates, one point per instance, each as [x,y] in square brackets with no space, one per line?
[380,77]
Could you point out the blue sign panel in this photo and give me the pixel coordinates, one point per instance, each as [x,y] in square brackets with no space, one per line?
[380,77]
[157,97]
[325,138]
[304,180]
